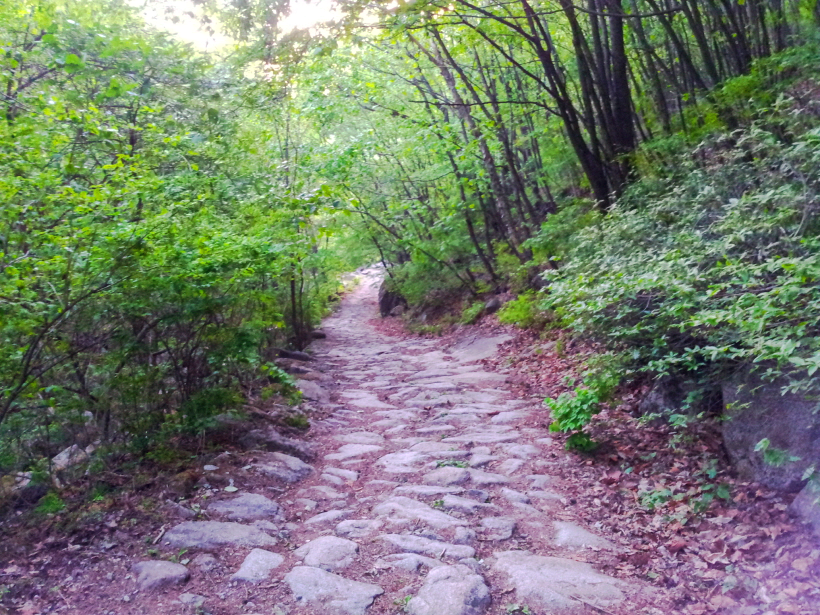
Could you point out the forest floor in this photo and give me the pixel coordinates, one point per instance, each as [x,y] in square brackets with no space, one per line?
[429,484]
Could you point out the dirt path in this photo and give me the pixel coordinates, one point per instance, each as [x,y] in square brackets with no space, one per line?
[429,492]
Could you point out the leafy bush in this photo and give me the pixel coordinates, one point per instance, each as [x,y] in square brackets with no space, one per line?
[523,311]
[472,313]
[716,266]
[571,412]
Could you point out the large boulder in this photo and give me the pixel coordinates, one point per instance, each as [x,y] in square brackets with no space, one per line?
[757,410]
[389,299]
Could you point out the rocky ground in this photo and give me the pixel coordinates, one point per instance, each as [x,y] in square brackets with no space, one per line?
[429,486]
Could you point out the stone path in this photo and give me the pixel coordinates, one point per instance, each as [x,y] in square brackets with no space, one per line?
[432,495]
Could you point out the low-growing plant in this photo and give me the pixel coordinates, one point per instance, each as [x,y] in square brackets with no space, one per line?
[571,412]
[51,503]
[472,313]
[523,311]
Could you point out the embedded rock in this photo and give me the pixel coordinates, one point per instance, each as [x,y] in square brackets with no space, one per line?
[328,592]
[427,546]
[158,574]
[328,553]
[286,468]
[257,566]
[248,507]
[573,536]
[400,509]
[208,535]
[557,585]
[451,590]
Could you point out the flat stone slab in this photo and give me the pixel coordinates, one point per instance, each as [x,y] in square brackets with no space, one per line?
[209,535]
[551,584]
[358,528]
[477,348]
[486,437]
[284,467]
[311,390]
[159,574]
[451,590]
[328,517]
[427,546]
[400,509]
[361,437]
[403,462]
[575,537]
[257,566]
[328,553]
[314,587]
[497,528]
[349,451]
[464,505]
[248,507]
[410,562]
[487,478]
[447,476]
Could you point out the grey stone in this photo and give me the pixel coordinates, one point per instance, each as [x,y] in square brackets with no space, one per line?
[320,492]
[311,390]
[349,451]
[348,475]
[446,476]
[195,601]
[389,299]
[463,536]
[410,562]
[158,574]
[248,506]
[427,546]
[207,468]
[806,506]
[284,467]
[426,490]
[358,528]
[487,478]
[402,510]
[209,535]
[478,460]
[361,437]
[271,440]
[328,517]
[464,505]
[477,347]
[522,451]
[514,496]
[497,528]
[205,562]
[328,553]
[492,305]
[573,536]
[556,585]
[510,416]
[69,457]
[451,590]
[486,437]
[333,480]
[321,590]
[510,466]
[257,566]
[403,462]
[756,410]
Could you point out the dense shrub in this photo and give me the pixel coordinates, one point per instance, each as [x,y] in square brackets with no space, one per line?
[715,264]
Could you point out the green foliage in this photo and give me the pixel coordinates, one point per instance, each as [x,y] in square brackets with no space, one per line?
[157,240]
[716,265]
[452,463]
[523,311]
[571,412]
[472,313]
[297,421]
[51,503]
